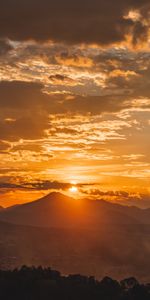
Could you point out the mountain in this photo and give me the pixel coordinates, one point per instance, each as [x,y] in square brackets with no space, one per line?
[77,236]
[59,211]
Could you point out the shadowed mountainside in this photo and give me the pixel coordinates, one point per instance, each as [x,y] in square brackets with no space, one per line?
[58,210]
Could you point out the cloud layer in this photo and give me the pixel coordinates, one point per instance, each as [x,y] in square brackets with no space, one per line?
[102,22]
[75,98]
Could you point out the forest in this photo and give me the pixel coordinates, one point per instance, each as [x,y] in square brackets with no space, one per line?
[38,283]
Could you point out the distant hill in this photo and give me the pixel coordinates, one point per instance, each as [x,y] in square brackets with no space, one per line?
[112,251]
[59,211]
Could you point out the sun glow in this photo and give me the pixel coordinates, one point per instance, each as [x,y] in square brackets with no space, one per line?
[73,189]
[73,182]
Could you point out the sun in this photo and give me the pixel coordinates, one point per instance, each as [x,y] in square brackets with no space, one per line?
[73,189]
[73,182]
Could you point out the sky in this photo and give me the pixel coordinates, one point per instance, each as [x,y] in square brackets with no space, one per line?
[75,100]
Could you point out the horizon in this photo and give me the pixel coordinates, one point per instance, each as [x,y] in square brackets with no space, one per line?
[72,197]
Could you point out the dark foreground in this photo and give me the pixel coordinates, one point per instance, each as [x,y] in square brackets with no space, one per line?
[41,284]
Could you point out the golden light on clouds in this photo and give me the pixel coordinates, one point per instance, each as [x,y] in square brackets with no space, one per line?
[75,108]
[133,15]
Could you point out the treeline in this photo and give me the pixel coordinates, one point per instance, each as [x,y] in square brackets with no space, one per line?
[30,283]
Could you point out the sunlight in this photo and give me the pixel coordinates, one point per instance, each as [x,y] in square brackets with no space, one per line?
[73,189]
[73,182]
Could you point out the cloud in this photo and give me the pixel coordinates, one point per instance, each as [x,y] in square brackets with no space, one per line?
[59,79]
[121,197]
[97,192]
[7,185]
[75,97]
[47,185]
[140,33]
[21,128]
[92,21]
[39,185]
[19,94]
[5,47]
[25,106]
[23,114]
[4,146]
[73,59]
[30,99]
[113,71]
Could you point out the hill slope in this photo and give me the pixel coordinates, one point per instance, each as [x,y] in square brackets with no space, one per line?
[107,251]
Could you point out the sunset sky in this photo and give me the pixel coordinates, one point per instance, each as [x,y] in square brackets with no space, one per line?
[75,100]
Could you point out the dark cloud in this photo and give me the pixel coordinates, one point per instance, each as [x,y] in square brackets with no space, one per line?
[25,108]
[8,185]
[5,47]
[18,94]
[47,185]
[57,77]
[4,146]
[137,84]
[140,33]
[24,127]
[97,192]
[38,185]
[23,113]
[70,21]
[31,98]
[60,79]
[121,197]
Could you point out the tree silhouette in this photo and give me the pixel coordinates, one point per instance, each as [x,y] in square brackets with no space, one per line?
[30,283]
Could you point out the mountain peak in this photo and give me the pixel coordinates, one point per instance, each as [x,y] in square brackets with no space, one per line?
[58,210]
[54,196]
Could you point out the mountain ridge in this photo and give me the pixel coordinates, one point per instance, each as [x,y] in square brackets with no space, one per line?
[59,210]
[74,239]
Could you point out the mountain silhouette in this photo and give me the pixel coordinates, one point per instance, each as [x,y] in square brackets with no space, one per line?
[60,211]
[76,236]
